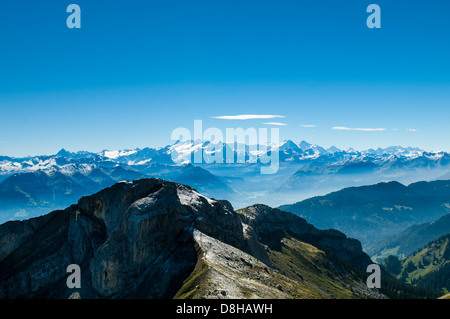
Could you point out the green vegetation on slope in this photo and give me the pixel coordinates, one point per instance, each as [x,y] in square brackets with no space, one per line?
[191,286]
[299,270]
[428,268]
[306,263]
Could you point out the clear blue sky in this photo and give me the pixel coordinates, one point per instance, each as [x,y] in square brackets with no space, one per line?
[136,70]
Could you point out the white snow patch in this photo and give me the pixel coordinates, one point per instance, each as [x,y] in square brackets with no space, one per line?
[117,153]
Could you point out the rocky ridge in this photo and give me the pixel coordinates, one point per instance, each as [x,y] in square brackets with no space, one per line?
[157,239]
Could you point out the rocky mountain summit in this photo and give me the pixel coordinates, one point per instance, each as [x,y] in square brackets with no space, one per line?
[153,238]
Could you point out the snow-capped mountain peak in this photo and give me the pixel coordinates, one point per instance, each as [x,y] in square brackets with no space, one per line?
[183,152]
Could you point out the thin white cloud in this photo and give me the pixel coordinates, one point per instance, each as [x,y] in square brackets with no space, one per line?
[307,125]
[275,123]
[365,129]
[21,213]
[247,117]
[412,130]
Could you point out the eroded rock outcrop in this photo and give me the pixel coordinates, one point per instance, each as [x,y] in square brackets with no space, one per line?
[143,239]
[133,239]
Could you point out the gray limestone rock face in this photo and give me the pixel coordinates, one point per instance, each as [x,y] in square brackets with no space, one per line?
[136,240]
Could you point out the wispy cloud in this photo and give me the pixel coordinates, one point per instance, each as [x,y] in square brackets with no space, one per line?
[275,123]
[307,125]
[247,117]
[365,129]
[412,130]
[21,213]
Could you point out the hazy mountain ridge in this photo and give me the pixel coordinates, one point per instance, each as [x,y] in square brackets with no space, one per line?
[30,194]
[371,213]
[410,240]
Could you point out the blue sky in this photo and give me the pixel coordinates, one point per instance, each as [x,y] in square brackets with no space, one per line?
[136,70]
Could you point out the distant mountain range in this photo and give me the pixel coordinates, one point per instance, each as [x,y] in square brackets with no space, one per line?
[185,151]
[34,185]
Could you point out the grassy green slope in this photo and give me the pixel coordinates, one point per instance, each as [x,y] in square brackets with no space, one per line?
[429,267]
[311,266]
[299,270]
